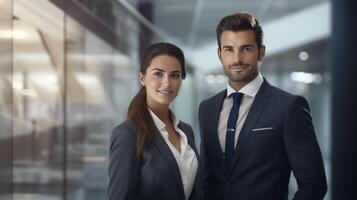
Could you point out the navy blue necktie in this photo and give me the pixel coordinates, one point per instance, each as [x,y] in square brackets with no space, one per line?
[231,126]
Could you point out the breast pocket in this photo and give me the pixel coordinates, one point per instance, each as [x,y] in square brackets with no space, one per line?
[263,130]
[265,136]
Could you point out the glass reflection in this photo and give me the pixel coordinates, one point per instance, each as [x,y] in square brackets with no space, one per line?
[97,77]
[5,100]
[37,110]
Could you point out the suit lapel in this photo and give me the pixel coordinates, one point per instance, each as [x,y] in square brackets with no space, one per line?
[258,106]
[212,127]
[167,154]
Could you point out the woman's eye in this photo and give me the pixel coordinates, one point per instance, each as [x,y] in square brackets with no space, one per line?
[158,74]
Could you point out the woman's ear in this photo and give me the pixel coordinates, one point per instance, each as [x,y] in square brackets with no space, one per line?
[142,79]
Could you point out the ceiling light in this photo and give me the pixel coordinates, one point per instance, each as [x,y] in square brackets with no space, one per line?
[210,79]
[305,77]
[303,55]
[16,34]
[220,79]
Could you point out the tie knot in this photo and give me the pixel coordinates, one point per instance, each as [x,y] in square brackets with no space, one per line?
[237,96]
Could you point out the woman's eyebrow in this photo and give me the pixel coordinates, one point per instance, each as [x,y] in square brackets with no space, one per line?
[158,69]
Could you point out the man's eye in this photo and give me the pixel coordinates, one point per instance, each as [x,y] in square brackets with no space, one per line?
[247,49]
[228,50]
[176,76]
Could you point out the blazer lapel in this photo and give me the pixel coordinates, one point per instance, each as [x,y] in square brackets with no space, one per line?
[212,133]
[258,106]
[167,154]
[191,142]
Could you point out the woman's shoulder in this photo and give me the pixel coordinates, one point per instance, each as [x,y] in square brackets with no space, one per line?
[127,124]
[124,129]
[185,124]
[186,127]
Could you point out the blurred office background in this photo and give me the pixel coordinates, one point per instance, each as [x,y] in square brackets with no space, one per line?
[69,70]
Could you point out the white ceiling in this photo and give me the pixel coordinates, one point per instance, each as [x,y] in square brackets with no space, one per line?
[193,22]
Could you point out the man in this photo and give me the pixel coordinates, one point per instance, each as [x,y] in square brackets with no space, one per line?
[251,158]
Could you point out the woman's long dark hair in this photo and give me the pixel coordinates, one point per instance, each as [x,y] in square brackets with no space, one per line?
[138,112]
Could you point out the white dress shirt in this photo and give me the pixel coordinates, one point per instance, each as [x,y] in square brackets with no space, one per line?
[249,91]
[186,159]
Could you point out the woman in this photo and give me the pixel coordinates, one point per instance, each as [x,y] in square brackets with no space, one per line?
[152,154]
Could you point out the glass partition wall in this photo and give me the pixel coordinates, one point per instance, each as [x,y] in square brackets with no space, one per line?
[37,80]
[5,99]
[62,87]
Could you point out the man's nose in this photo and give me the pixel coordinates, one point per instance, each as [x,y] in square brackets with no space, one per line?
[238,57]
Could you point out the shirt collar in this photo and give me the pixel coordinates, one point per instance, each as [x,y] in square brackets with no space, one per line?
[251,89]
[160,124]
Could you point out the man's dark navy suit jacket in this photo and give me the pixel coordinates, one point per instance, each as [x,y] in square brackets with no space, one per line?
[277,137]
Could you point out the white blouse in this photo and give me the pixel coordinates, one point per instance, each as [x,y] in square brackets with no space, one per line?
[186,159]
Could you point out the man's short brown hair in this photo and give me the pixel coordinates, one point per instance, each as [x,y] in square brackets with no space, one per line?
[239,22]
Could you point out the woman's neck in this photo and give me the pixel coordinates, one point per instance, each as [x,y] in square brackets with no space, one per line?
[162,112]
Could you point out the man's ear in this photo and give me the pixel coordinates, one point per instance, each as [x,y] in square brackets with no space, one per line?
[219,53]
[261,53]
[142,79]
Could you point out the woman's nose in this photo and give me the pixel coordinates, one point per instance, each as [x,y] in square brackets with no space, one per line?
[166,81]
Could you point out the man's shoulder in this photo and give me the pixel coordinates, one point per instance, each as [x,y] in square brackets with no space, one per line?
[216,97]
[281,94]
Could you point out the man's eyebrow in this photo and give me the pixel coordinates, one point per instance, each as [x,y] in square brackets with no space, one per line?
[247,45]
[227,46]
[244,45]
